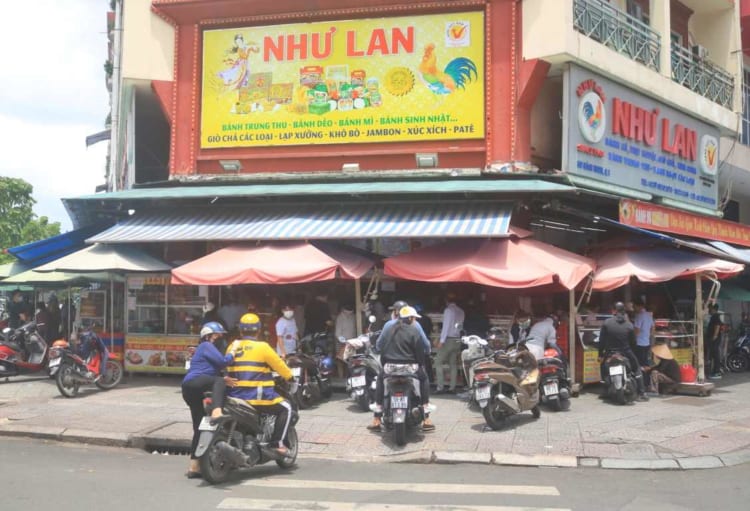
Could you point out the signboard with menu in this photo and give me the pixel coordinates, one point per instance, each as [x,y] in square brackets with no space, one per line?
[393,79]
[620,137]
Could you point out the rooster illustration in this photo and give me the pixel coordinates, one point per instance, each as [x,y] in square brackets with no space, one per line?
[456,74]
[593,117]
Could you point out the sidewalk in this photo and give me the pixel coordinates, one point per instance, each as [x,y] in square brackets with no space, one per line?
[676,432]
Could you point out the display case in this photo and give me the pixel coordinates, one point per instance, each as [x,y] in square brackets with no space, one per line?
[93,311]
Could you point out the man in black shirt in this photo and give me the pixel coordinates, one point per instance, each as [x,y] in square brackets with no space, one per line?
[712,351]
[618,334]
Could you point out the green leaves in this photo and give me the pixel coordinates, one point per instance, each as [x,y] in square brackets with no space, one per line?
[18,223]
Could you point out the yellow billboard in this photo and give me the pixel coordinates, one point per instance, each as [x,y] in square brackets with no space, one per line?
[397,79]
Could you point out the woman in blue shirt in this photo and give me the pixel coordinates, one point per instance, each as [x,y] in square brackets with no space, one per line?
[203,375]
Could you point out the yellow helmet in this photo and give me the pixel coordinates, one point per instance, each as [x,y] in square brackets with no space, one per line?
[250,325]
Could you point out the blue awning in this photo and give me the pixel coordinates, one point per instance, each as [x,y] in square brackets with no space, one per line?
[474,219]
[40,252]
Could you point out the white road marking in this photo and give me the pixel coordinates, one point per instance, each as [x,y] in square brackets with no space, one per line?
[300,505]
[477,489]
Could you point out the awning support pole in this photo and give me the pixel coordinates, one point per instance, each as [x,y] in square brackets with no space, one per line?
[699,327]
[572,313]
[358,304]
[111,314]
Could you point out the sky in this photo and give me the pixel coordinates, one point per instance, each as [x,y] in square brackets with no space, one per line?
[52,95]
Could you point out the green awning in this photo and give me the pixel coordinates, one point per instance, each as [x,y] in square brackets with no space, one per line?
[61,278]
[734,292]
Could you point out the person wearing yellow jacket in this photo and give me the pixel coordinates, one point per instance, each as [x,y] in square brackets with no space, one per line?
[253,366]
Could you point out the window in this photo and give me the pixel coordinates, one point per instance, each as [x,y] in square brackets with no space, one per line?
[745,137]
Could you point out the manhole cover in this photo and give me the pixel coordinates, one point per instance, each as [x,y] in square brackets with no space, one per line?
[691,401]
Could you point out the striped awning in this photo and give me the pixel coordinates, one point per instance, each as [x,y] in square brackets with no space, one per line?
[444,220]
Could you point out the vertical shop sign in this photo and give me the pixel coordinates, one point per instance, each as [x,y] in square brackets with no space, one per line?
[617,136]
[372,80]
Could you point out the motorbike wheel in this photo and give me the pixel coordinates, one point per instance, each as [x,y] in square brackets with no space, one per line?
[326,391]
[302,401]
[364,402]
[737,362]
[494,418]
[215,468]
[557,404]
[65,383]
[620,396]
[536,412]
[292,445]
[630,392]
[399,433]
[113,376]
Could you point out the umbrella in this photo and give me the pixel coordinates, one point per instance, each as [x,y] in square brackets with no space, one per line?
[615,268]
[508,263]
[273,263]
[99,257]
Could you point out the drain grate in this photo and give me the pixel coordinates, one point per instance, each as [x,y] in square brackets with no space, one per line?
[172,451]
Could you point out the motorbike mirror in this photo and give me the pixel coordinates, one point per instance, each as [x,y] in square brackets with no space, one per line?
[342,339]
[482,342]
[6,330]
[372,318]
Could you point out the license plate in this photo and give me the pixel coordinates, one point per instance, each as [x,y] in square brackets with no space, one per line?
[483,393]
[615,370]
[187,365]
[399,401]
[296,371]
[206,425]
[358,381]
[550,388]
[55,362]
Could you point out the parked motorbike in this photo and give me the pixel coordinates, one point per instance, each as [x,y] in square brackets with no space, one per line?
[619,378]
[363,369]
[22,351]
[312,367]
[738,360]
[240,439]
[554,385]
[477,350]
[507,384]
[89,363]
[402,403]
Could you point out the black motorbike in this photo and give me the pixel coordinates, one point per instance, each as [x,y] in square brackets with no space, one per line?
[554,385]
[738,360]
[619,378]
[312,367]
[240,439]
[363,368]
[402,403]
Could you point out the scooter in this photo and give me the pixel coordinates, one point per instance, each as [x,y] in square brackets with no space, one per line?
[554,385]
[477,350]
[91,363]
[312,368]
[240,439]
[363,367]
[619,378]
[402,403]
[506,385]
[22,351]
[738,360]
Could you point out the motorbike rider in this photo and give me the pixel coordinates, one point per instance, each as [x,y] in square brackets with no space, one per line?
[253,364]
[204,374]
[401,343]
[618,335]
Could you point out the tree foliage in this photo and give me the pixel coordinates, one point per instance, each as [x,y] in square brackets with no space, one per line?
[18,223]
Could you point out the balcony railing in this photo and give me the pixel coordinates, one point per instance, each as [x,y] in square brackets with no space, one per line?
[617,30]
[701,76]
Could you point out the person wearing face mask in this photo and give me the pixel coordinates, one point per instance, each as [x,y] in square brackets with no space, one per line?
[287,334]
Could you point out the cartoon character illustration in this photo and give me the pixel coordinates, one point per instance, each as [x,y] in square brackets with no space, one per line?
[456,74]
[237,74]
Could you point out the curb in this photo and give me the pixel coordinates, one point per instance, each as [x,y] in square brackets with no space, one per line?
[422,456]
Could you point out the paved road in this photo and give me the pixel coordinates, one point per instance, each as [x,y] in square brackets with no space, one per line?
[68,477]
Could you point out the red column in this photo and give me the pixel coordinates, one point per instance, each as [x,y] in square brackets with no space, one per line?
[185,106]
[503,29]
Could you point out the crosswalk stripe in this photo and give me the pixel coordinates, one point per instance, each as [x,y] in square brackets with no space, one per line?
[297,505]
[477,489]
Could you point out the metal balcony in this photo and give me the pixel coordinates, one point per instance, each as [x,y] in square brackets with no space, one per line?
[702,76]
[617,30]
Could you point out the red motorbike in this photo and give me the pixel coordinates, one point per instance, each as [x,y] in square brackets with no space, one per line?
[22,351]
[90,363]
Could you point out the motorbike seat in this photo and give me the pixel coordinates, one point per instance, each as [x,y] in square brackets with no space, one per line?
[240,402]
